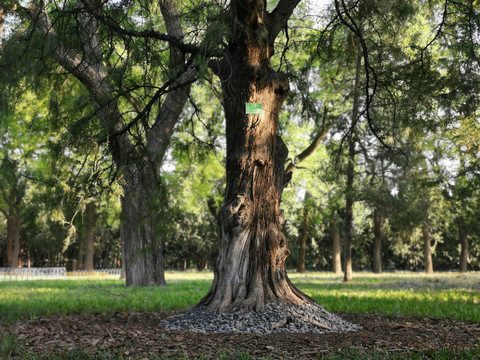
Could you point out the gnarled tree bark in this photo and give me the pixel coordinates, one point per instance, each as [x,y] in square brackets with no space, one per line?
[250,270]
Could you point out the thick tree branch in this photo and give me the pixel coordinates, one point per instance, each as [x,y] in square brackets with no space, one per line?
[92,75]
[177,82]
[169,37]
[278,18]
[169,113]
[72,63]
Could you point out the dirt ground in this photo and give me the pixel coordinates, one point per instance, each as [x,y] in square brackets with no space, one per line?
[138,336]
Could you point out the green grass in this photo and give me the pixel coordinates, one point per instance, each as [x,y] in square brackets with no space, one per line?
[444,295]
[34,299]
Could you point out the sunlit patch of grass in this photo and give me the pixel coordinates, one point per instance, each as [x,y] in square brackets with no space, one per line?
[405,280]
[450,295]
[175,276]
[444,295]
[30,300]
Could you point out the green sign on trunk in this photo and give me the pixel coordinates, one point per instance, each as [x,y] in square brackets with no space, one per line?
[252,108]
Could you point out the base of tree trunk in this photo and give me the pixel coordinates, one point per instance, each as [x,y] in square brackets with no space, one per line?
[250,272]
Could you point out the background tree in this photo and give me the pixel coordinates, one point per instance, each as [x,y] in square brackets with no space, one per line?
[136,127]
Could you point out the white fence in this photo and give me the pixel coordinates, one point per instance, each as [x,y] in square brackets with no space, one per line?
[98,273]
[14,274]
[20,274]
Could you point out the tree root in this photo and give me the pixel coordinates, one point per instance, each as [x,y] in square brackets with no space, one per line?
[317,324]
[282,323]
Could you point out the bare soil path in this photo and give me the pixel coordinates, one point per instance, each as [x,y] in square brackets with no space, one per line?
[138,336]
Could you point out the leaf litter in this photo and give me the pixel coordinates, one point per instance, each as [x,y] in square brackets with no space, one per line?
[138,335]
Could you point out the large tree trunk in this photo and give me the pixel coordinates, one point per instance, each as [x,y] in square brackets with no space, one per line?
[427,249]
[378,221]
[336,248]
[143,252]
[250,270]
[91,216]
[464,251]
[302,241]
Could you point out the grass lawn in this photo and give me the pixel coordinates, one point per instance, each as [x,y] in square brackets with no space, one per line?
[443,295]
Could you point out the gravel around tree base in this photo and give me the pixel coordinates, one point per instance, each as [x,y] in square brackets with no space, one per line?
[275,318]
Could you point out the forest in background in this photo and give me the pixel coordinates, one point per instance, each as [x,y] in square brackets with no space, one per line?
[405,156]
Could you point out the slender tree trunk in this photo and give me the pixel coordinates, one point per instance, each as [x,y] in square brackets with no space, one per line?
[349,212]
[9,246]
[427,249]
[378,221]
[81,251]
[303,236]
[336,248]
[464,251]
[91,216]
[13,239]
[123,272]
[13,224]
[250,270]
[349,191]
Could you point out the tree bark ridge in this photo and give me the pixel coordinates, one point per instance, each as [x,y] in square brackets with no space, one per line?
[250,270]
